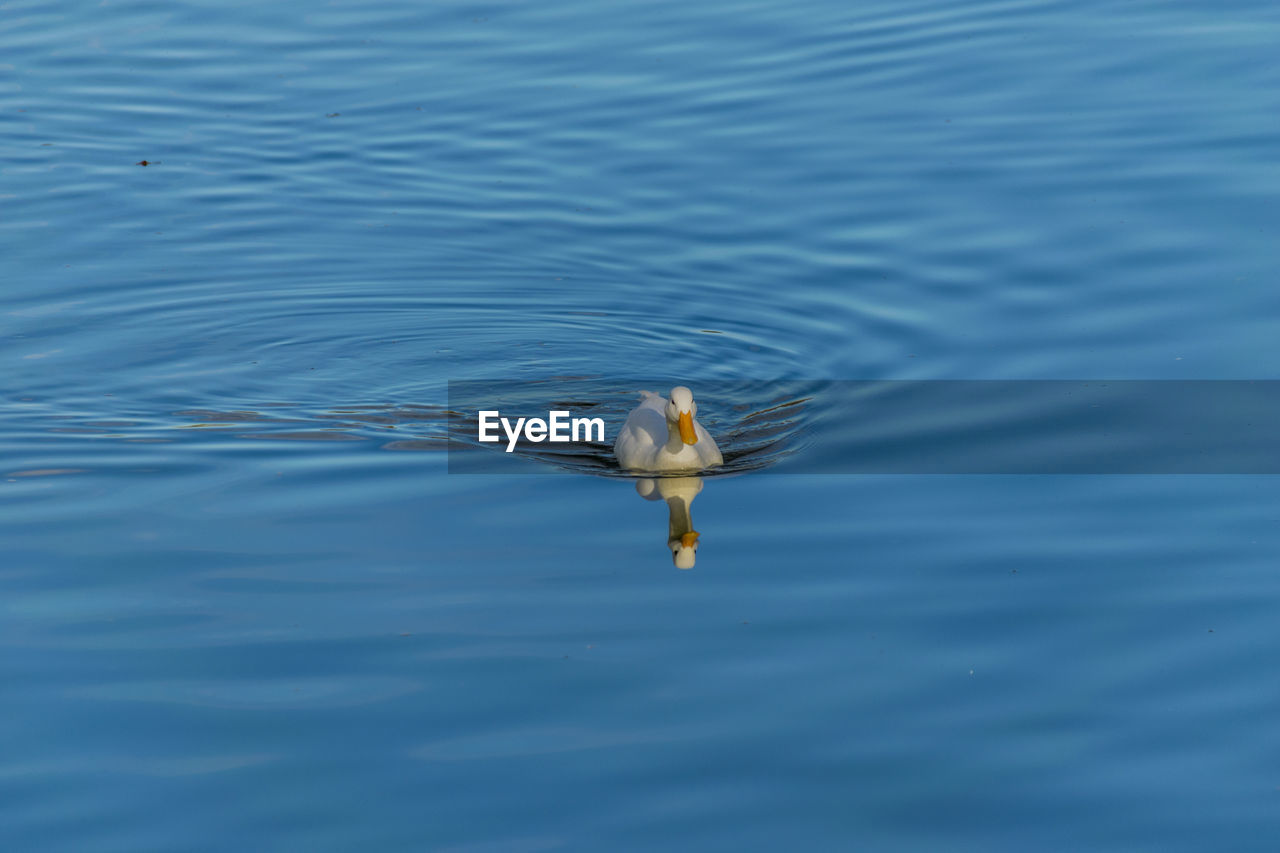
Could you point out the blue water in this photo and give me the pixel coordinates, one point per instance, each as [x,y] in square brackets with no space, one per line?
[244,605]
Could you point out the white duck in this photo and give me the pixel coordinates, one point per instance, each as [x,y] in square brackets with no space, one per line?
[662,435]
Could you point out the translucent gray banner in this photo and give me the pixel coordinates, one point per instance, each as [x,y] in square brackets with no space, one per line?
[890,426]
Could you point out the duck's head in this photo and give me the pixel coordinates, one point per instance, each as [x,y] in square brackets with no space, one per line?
[681,410]
[684,551]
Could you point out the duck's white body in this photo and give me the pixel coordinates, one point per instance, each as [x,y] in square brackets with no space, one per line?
[661,435]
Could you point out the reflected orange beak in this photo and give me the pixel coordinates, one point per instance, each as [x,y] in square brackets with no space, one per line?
[689,539]
[687,435]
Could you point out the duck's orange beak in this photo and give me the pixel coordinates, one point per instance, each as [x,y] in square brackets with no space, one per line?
[689,539]
[687,435]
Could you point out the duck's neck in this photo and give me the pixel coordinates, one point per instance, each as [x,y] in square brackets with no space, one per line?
[674,442]
[679,518]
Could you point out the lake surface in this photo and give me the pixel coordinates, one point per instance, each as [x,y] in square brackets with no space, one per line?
[244,604]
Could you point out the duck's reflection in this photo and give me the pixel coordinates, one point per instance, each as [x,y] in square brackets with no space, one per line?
[679,493]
